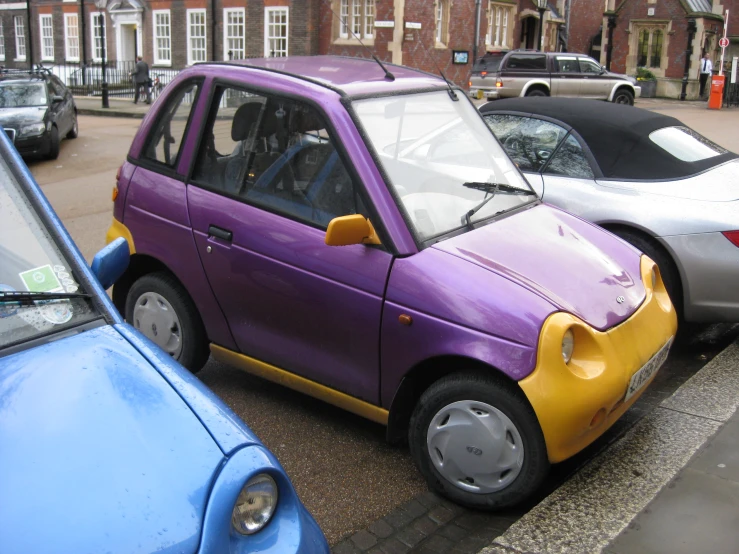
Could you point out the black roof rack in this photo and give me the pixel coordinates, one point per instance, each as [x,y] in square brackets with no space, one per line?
[37,69]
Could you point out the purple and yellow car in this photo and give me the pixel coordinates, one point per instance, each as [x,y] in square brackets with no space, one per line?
[357,233]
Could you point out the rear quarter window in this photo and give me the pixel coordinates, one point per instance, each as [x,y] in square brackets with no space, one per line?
[685,144]
[527,62]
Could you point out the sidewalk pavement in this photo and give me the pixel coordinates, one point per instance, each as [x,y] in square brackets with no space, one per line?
[119,107]
[670,485]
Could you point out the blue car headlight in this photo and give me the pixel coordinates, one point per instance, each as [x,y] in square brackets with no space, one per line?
[255,505]
[35,129]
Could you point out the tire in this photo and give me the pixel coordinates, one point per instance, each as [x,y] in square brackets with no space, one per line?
[74,132]
[667,268]
[623,96]
[473,398]
[157,301]
[536,92]
[53,144]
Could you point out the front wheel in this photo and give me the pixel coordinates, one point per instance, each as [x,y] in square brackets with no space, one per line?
[74,131]
[477,441]
[160,308]
[623,96]
[53,143]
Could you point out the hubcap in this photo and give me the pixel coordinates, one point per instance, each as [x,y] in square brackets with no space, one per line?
[475,446]
[155,318]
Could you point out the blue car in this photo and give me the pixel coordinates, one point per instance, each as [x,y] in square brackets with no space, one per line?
[106,443]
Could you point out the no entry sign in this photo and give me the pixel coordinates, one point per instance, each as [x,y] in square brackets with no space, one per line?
[723,42]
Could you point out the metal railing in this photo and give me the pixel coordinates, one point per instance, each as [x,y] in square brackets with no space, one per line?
[731,93]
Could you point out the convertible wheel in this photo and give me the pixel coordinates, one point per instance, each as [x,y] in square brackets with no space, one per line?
[667,268]
[53,144]
[72,134]
[623,96]
[159,307]
[477,441]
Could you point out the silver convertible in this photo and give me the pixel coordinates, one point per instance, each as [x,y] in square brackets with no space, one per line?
[646,177]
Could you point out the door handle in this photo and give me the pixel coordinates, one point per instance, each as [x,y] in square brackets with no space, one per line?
[220,232]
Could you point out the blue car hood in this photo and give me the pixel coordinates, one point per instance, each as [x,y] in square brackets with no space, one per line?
[98,453]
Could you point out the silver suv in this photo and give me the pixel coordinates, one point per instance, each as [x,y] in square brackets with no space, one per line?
[532,73]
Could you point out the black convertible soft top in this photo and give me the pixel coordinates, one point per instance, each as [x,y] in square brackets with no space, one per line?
[617,135]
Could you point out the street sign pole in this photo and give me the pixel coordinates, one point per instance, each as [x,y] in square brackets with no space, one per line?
[723,43]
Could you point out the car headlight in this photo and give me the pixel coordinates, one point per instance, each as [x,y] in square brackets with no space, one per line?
[35,129]
[568,345]
[255,505]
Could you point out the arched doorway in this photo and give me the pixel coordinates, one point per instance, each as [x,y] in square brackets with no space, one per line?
[529,32]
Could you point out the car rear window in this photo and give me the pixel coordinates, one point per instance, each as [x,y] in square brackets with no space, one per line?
[685,144]
[489,62]
[527,62]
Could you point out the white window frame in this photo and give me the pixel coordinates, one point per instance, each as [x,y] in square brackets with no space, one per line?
[356,18]
[441,22]
[344,19]
[19,22]
[158,58]
[369,18]
[190,37]
[498,17]
[46,24]
[267,38]
[2,41]
[226,12]
[94,28]
[68,48]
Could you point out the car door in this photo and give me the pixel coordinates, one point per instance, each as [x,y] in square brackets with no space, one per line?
[67,108]
[593,82]
[565,76]
[56,109]
[267,182]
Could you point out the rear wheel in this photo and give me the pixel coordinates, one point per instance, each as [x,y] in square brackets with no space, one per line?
[623,96]
[159,307]
[536,92]
[477,441]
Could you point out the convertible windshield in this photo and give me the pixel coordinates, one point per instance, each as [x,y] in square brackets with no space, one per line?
[31,263]
[432,150]
[22,95]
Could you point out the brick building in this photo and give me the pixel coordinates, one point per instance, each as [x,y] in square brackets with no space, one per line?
[171,34]
[654,34]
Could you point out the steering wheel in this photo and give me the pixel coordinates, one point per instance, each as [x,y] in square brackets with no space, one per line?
[515,143]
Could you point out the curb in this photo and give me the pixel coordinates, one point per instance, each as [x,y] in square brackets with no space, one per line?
[586,513]
[100,112]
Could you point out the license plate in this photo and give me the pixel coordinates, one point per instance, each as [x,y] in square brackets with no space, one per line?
[647,371]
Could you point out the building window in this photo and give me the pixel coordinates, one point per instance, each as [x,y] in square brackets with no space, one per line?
[196,37]
[649,53]
[498,17]
[20,37]
[162,37]
[71,37]
[442,21]
[357,19]
[47,37]
[97,35]
[2,41]
[275,32]
[233,44]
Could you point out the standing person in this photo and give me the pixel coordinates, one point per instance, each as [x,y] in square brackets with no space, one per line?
[706,70]
[141,79]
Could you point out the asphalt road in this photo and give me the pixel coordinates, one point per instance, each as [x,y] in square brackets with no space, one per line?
[341,467]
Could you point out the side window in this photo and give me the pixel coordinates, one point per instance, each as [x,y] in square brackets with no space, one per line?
[163,145]
[589,66]
[527,62]
[528,142]
[567,65]
[570,161]
[276,154]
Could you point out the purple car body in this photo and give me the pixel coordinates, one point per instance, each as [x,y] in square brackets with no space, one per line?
[377,329]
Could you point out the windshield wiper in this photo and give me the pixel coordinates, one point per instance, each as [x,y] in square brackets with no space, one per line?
[492,189]
[28,298]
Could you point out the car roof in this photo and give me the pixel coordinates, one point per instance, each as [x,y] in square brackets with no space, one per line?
[348,76]
[617,135]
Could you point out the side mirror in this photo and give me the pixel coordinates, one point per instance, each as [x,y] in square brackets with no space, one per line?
[350,229]
[603,70]
[56,99]
[111,262]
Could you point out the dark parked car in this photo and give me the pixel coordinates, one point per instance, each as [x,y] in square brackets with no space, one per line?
[36,111]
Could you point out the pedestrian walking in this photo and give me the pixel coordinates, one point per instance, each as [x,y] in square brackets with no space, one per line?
[141,79]
[706,70]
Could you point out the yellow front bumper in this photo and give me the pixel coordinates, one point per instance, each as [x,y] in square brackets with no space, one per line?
[118,229]
[577,402]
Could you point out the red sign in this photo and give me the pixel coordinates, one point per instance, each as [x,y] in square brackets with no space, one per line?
[723,42]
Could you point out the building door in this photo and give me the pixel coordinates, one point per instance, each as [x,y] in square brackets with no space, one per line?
[529,34]
[128,51]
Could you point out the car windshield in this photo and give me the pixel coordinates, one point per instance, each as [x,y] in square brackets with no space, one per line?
[442,160]
[30,262]
[22,95]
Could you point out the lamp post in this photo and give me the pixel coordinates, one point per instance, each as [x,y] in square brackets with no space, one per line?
[101,4]
[541,5]
[692,28]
